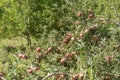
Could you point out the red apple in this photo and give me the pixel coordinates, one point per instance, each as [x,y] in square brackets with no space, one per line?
[91,15]
[24,56]
[79,14]
[36,68]
[62,76]
[109,58]
[1,74]
[58,77]
[69,34]
[62,61]
[20,55]
[75,77]
[73,39]
[38,49]
[81,75]
[59,48]
[48,50]
[30,71]
[66,41]
[68,55]
[81,35]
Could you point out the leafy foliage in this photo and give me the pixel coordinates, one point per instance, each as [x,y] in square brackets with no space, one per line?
[69,39]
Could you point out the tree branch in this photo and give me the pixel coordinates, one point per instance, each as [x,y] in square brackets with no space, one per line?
[116,23]
[49,75]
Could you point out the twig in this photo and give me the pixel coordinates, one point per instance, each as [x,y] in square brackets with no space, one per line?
[49,75]
[116,23]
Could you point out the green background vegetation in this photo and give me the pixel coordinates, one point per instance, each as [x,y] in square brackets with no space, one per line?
[28,24]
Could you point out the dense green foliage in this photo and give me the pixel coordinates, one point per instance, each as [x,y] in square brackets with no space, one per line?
[73,39]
